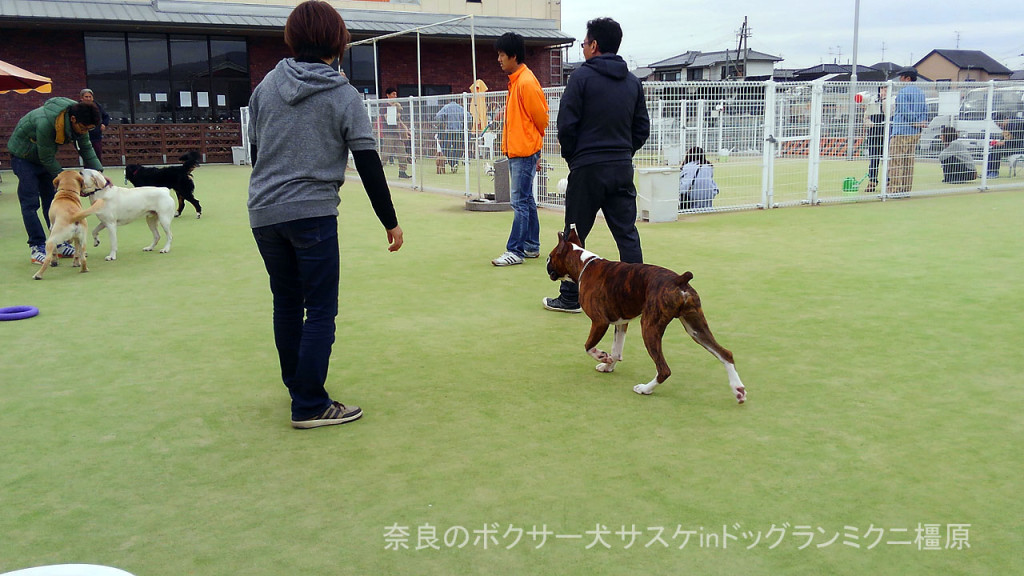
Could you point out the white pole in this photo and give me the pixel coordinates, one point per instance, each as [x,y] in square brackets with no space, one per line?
[376,72]
[853,81]
[472,43]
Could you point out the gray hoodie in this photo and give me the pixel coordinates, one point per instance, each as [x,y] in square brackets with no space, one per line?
[304,119]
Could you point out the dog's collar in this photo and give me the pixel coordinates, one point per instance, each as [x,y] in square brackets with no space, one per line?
[585,264]
[69,190]
[86,195]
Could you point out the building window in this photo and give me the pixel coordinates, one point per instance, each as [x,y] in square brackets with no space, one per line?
[159,78]
[358,67]
[106,70]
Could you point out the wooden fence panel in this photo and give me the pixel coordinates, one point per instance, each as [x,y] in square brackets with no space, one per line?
[150,143]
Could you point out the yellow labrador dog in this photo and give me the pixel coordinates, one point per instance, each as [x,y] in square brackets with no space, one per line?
[124,205]
[68,220]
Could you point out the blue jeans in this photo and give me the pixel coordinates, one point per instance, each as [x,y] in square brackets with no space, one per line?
[35,185]
[302,260]
[525,234]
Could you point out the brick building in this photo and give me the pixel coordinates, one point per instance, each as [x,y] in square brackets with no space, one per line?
[174,61]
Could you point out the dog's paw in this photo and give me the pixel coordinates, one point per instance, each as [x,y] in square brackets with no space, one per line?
[110,258]
[199,215]
[176,214]
[605,367]
[741,395]
[165,250]
[147,249]
[642,389]
[96,241]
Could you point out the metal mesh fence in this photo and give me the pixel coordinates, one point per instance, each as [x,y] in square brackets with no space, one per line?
[771,144]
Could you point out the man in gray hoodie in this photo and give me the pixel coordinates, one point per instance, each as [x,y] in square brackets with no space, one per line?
[602,122]
[304,119]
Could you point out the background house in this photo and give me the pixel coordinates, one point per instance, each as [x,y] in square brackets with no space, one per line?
[961,66]
[723,65]
[832,72]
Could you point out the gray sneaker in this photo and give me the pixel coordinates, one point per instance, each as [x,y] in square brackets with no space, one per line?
[560,305]
[336,413]
[508,259]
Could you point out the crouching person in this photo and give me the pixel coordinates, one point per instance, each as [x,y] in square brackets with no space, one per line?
[697,186]
[956,160]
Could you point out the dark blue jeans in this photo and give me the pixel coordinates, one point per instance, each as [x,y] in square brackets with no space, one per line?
[525,234]
[35,186]
[302,260]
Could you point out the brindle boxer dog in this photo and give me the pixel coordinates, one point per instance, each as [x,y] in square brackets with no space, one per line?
[617,292]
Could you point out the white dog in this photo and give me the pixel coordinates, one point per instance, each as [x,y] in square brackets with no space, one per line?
[124,205]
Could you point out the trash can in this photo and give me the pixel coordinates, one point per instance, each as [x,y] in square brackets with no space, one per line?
[502,192]
[238,155]
[657,194]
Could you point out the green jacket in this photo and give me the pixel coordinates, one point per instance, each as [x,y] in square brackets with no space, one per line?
[35,137]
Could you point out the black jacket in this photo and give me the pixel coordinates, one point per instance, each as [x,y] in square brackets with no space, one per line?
[602,116]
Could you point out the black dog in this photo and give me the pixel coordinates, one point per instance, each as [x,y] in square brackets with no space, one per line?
[177,178]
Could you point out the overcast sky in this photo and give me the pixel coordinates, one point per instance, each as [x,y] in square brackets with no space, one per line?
[807,33]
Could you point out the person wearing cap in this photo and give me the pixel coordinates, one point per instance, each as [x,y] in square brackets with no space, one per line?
[96,134]
[1011,144]
[909,117]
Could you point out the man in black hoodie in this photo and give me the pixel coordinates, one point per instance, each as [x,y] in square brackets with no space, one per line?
[602,122]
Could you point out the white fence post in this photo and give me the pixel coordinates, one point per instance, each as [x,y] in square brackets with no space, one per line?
[814,146]
[768,146]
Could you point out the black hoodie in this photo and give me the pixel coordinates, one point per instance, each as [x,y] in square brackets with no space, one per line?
[602,116]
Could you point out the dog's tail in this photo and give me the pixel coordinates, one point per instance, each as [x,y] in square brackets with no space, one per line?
[683,280]
[83,214]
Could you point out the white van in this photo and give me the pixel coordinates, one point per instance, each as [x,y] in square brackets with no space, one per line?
[971,122]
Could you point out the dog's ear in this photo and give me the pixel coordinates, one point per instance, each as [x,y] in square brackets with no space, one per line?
[56,181]
[573,236]
[561,235]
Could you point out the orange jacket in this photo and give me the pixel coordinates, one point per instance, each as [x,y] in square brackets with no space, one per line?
[526,115]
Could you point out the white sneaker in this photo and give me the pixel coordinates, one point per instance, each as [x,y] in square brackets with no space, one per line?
[507,259]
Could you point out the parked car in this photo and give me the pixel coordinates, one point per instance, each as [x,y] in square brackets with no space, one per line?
[971,122]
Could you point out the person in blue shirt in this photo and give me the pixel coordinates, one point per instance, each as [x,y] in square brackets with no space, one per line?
[909,117]
[697,186]
[451,120]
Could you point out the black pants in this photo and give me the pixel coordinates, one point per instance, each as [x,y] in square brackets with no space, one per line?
[875,146]
[955,171]
[996,155]
[607,187]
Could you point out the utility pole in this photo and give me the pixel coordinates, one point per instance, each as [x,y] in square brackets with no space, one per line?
[742,47]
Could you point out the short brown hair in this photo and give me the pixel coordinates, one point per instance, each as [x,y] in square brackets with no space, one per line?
[86,113]
[315,30]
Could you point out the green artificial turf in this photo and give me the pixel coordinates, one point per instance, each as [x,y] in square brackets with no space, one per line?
[144,425]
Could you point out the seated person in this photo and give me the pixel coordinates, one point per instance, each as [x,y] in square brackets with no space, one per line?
[956,160]
[697,186]
[1011,144]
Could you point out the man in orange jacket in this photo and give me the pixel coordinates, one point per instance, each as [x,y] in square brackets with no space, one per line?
[526,119]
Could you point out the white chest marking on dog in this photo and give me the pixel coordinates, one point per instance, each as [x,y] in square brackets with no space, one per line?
[586,257]
[584,253]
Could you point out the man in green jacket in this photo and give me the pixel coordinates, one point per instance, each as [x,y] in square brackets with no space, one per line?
[33,147]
